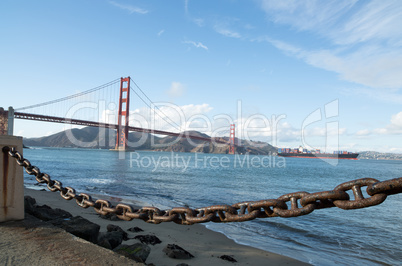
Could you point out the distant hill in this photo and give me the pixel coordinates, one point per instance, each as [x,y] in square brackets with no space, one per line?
[379,155]
[95,138]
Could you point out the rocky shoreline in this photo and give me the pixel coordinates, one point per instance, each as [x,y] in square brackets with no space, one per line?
[144,243]
[112,239]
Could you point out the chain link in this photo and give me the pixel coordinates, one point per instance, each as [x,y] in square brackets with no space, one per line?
[238,212]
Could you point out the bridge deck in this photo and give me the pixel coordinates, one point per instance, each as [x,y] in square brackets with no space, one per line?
[63,120]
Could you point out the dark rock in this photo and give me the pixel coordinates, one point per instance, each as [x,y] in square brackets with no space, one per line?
[138,252]
[228,258]
[103,242]
[29,204]
[177,252]
[43,212]
[135,229]
[148,239]
[182,264]
[115,228]
[110,216]
[46,213]
[110,240]
[80,227]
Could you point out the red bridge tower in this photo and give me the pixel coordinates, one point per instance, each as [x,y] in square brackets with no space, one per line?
[123,115]
[232,139]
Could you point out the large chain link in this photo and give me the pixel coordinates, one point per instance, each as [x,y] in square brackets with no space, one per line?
[238,212]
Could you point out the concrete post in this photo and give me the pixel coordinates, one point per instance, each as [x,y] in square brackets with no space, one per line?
[12,183]
[10,128]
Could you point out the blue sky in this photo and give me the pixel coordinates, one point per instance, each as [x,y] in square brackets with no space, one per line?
[289,58]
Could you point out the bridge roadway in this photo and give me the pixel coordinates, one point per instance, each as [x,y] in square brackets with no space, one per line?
[62,120]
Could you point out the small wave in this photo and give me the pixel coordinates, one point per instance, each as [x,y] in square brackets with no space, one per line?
[103,181]
[285,227]
[33,186]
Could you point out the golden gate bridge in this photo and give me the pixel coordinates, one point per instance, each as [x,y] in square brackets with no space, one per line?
[64,110]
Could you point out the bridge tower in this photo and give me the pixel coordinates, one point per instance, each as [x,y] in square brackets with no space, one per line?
[232,139]
[123,115]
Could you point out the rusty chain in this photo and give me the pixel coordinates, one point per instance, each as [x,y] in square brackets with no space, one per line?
[239,212]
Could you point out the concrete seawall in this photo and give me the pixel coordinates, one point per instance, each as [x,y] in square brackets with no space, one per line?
[34,242]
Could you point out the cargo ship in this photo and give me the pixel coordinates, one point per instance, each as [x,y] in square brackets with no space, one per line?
[305,153]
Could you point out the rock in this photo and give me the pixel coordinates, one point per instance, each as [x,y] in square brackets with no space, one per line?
[110,216]
[29,204]
[228,258]
[182,264]
[43,212]
[104,242]
[115,228]
[77,226]
[135,229]
[80,227]
[177,252]
[46,213]
[110,240]
[148,239]
[138,252]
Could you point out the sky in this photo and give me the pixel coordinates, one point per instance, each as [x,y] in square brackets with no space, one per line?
[322,74]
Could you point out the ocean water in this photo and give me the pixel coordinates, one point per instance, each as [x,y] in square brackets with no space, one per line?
[370,236]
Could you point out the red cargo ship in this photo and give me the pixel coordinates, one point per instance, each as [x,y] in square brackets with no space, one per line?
[304,153]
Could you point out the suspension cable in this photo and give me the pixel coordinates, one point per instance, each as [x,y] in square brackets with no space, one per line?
[71,96]
[176,126]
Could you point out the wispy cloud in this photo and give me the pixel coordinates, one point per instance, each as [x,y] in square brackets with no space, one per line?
[197,44]
[375,21]
[176,89]
[161,32]
[311,15]
[363,132]
[129,8]
[198,21]
[226,32]
[186,6]
[393,128]
[370,66]
[388,96]
[365,37]
[342,21]
[249,27]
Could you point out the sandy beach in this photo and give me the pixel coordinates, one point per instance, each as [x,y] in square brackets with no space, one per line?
[206,245]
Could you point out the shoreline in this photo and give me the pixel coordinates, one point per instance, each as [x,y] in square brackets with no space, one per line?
[206,245]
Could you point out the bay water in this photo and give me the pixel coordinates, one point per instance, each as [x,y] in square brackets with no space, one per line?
[371,236]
